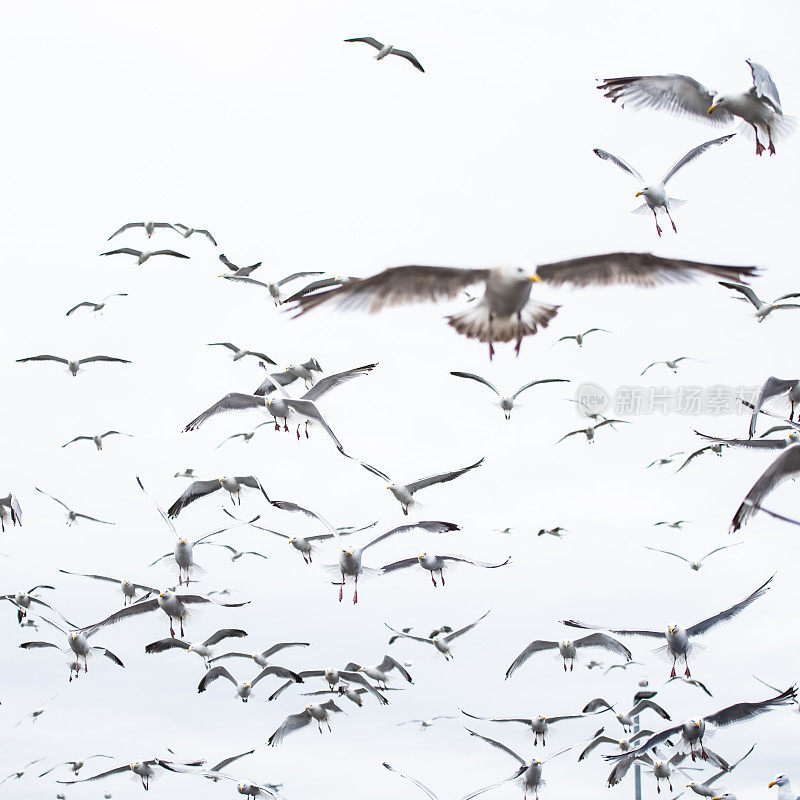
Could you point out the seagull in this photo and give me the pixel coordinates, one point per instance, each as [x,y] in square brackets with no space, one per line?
[289,376]
[245,436]
[203,649]
[704,789]
[759,107]
[284,406]
[690,733]
[77,643]
[99,306]
[662,462]
[713,448]
[387,50]
[232,484]
[756,444]
[507,401]
[274,287]
[316,711]
[144,769]
[435,632]
[20,773]
[775,387]
[260,658]
[404,493]
[128,587]
[186,232]
[678,638]
[505,312]
[785,466]
[539,725]
[623,744]
[763,309]
[558,532]
[246,788]
[10,509]
[589,430]
[655,194]
[672,363]
[529,774]
[442,640]
[187,473]
[239,353]
[624,666]
[568,650]
[75,766]
[677,525]
[429,793]
[237,554]
[579,337]
[73,365]
[345,690]
[149,228]
[238,272]
[695,565]
[424,724]
[97,438]
[380,672]
[693,682]
[73,516]
[23,601]
[784,786]
[334,679]
[321,283]
[627,720]
[436,563]
[172,604]
[143,255]
[244,690]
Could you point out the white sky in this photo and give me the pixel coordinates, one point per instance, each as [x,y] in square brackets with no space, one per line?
[256,121]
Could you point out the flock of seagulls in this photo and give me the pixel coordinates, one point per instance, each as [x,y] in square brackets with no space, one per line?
[506,312]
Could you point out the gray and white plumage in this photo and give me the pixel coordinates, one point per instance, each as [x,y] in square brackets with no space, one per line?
[149,228]
[693,682]
[203,649]
[430,794]
[262,657]
[627,718]
[96,439]
[693,564]
[672,363]
[539,726]
[244,689]
[568,649]
[679,639]
[143,255]
[655,193]
[759,107]
[319,712]
[75,766]
[579,337]
[238,272]
[755,444]
[433,563]
[304,369]
[506,402]
[440,641]
[334,678]
[387,50]
[704,788]
[74,365]
[145,770]
[10,509]
[273,287]
[237,554]
[23,600]
[187,232]
[589,431]
[404,492]
[73,516]
[239,352]
[95,306]
[771,388]
[763,308]
[380,672]
[321,283]
[127,586]
[623,744]
[715,448]
[245,436]
[232,484]
[505,312]
[243,787]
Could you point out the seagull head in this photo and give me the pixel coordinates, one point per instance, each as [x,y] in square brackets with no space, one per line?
[778,780]
[719,101]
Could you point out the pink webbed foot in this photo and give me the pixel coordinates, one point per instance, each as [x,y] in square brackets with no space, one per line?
[759,148]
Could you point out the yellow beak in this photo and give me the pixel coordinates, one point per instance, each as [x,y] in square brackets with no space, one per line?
[638,194]
[711,108]
[534,278]
[771,784]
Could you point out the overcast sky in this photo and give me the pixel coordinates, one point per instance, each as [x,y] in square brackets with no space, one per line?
[255,120]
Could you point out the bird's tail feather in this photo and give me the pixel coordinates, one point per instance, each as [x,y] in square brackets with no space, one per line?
[474,323]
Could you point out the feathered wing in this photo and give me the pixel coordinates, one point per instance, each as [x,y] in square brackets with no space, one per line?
[292,723]
[637,269]
[571,623]
[694,153]
[395,286]
[196,490]
[745,290]
[478,378]
[324,385]
[498,745]
[442,478]
[430,526]
[278,672]
[224,633]
[409,57]
[476,323]
[536,383]
[534,647]
[416,783]
[764,85]
[604,641]
[309,410]
[739,712]
[623,165]
[133,610]
[235,401]
[165,644]
[213,674]
[772,387]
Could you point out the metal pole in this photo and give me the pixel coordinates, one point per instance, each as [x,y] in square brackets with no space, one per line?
[637,774]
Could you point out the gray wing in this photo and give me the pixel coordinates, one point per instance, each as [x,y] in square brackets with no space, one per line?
[772,387]
[403,634]
[267,386]
[571,623]
[225,633]
[745,290]
[278,672]
[694,153]
[212,675]
[390,663]
[739,712]
[643,704]
[692,456]
[604,641]
[126,250]
[168,253]
[465,629]
[329,382]
[595,705]
[534,383]
[752,444]
[134,610]
[718,549]
[62,504]
[356,677]
[396,285]
[308,409]
[595,743]
[637,269]
[430,526]
[373,43]
[423,483]
[94,519]
[649,744]
[291,724]
[677,94]
[403,563]
[196,490]
[75,308]
[707,624]
[43,358]
[235,401]
[416,783]
[104,651]
[245,279]
[534,647]
[482,564]
[115,771]
[124,228]
[375,471]
[785,466]
[162,645]
[296,275]
[498,745]
[667,553]
[226,761]
[409,57]
[270,651]
[323,283]
[90,359]
[76,439]
[286,505]
[764,85]
[478,378]
[623,165]
[229,345]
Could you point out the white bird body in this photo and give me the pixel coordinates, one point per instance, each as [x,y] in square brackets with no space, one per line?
[402,495]
[677,640]
[386,50]
[78,643]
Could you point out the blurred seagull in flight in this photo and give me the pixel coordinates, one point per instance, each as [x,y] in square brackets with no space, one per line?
[73,516]
[73,365]
[694,565]
[568,650]
[10,509]
[763,309]
[99,306]
[579,337]
[239,353]
[231,483]
[186,232]
[143,255]
[203,649]
[238,272]
[672,363]
[432,564]
[245,689]
[759,107]
[506,402]
[441,641]
[318,712]
[589,431]
[387,50]
[96,438]
[655,194]
[273,287]
[149,228]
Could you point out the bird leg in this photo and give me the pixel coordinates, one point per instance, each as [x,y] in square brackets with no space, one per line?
[181,627]
[171,629]
[341,589]
[571,661]
[760,147]
[771,145]
[298,431]
[674,659]
[565,665]
[658,785]
[306,429]
[671,220]
[687,673]
[433,580]
[277,427]
[285,426]
[658,227]
[405,510]
[355,599]
[441,575]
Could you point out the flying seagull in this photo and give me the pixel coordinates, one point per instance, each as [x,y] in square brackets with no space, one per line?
[712,448]
[260,658]
[704,789]
[771,388]
[441,641]
[319,712]
[627,719]
[73,516]
[755,444]
[239,353]
[149,228]
[655,194]
[671,363]
[10,509]
[678,638]
[759,107]
[233,484]
[387,50]
[238,272]
[128,587]
[695,565]
[245,436]
[579,337]
[623,744]
[505,312]
[380,672]
[245,689]
[677,525]
[589,431]
[539,726]
[568,649]
[23,600]
[428,792]
[436,563]
[75,766]
[143,769]
[293,372]
[73,365]
[763,309]
[274,287]
[334,679]
[662,462]
[96,438]
[95,306]
[404,493]
[246,788]
[203,649]
[507,401]
[143,255]
[186,232]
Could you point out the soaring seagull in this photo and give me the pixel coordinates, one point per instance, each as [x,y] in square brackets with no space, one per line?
[95,306]
[149,228]
[763,309]
[186,232]
[143,255]
[73,364]
[387,50]
[506,402]
[568,649]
